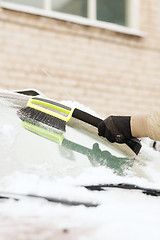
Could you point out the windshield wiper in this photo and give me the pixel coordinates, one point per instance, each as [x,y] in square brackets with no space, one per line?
[19,196]
[103,187]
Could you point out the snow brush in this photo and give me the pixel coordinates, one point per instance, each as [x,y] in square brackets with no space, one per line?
[50,114]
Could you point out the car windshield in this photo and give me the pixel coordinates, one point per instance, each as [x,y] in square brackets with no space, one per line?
[68,154]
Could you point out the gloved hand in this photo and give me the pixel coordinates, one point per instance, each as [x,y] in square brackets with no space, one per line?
[115,128]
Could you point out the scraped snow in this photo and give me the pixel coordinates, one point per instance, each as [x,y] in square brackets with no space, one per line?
[28,166]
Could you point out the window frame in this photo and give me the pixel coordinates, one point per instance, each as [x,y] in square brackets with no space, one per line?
[132,16]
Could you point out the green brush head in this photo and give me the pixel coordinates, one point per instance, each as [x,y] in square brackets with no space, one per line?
[46,113]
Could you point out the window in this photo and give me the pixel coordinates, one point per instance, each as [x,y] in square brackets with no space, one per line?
[33,3]
[112,11]
[121,12]
[75,7]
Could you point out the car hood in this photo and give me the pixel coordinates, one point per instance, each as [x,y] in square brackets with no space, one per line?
[32,164]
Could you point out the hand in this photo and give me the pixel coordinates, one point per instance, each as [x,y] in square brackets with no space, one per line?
[115,129]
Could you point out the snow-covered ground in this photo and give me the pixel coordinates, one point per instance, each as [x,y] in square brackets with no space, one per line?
[30,164]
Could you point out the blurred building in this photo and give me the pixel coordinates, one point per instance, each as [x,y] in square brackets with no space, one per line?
[104,54]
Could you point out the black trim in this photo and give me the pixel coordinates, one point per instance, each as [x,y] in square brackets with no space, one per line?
[28,92]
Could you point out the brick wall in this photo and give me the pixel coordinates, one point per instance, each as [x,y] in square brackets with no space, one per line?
[113,73]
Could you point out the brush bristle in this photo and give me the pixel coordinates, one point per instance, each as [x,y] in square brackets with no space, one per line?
[36,117]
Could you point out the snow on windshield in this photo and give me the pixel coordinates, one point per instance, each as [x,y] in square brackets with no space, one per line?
[32,164]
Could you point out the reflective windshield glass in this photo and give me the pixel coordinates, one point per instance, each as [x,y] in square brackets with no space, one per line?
[68,153]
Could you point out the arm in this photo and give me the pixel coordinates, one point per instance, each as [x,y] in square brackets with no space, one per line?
[138,125]
[120,128]
[147,125]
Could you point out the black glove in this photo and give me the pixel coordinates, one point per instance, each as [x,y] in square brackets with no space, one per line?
[115,128]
